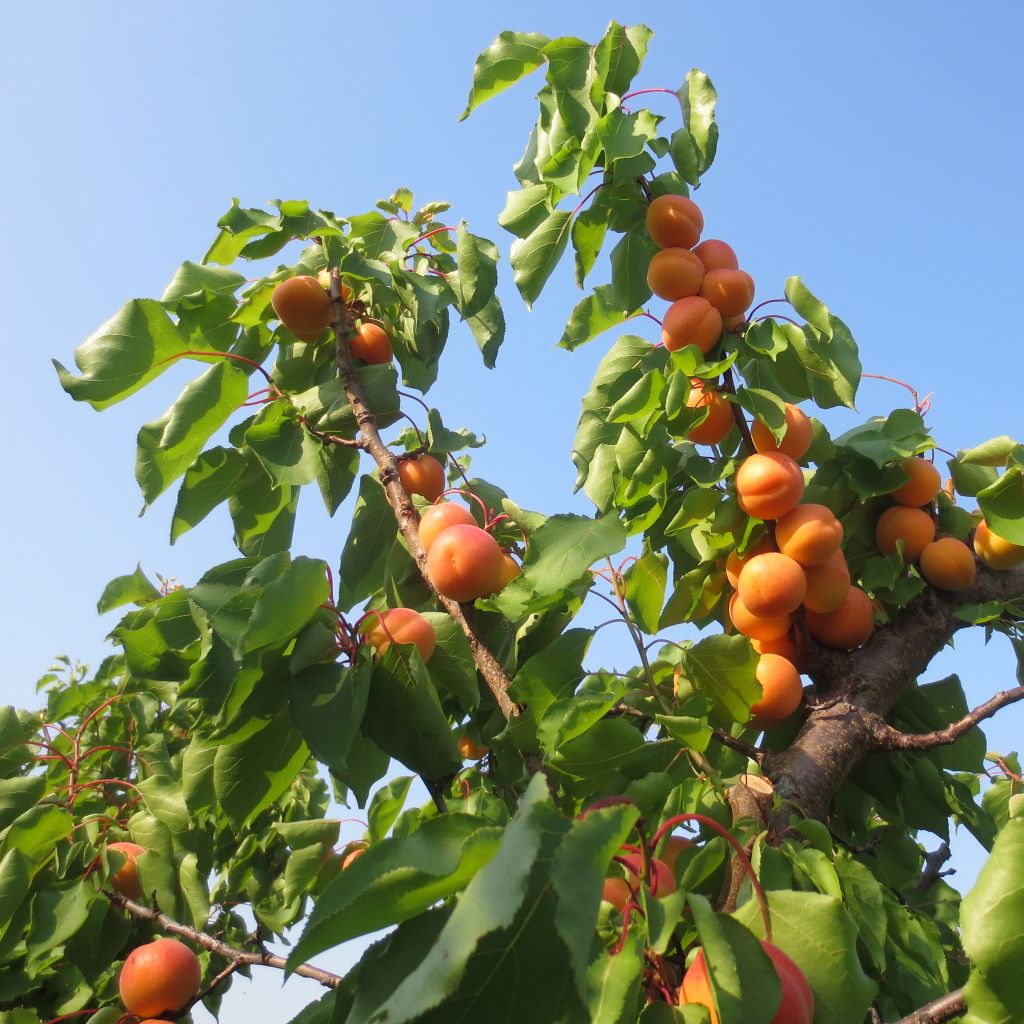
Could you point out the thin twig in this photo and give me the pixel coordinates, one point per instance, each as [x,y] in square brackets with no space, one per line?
[939,1010]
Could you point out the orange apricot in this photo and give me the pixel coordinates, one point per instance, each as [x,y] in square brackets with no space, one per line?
[849,626]
[662,879]
[995,551]
[735,562]
[947,563]
[719,421]
[439,517]
[674,274]
[781,691]
[422,475]
[691,321]
[465,563]
[729,291]
[400,626]
[303,306]
[351,857]
[470,749]
[671,850]
[923,485]
[716,255]
[771,585]
[755,626]
[674,221]
[827,584]
[784,646]
[810,534]
[913,526]
[125,879]
[795,441]
[510,569]
[769,484]
[372,344]
[617,892]
[158,976]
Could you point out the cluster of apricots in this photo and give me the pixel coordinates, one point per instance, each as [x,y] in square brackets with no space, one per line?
[618,891]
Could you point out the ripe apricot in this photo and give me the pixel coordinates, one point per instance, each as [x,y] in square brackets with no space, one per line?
[730,291]
[768,485]
[754,626]
[465,563]
[771,585]
[795,441]
[161,975]
[913,526]
[510,569]
[125,879]
[439,517]
[781,691]
[470,749]
[674,274]
[674,221]
[719,421]
[923,485]
[351,857]
[948,564]
[810,534]
[400,626]
[617,892]
[995,551]
[716,255]
[784,646]
[827,584]
[671,850]
[422,475]
[303,306]
[848,626]
[372,344]
[691,321]
[735,562]
[662,879]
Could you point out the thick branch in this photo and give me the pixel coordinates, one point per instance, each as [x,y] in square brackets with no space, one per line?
[942,1009]
[229,953]
[398,498]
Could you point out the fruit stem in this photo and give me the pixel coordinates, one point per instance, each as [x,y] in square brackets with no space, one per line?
[761,305]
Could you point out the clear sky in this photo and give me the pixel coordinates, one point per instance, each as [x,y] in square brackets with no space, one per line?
[873,148]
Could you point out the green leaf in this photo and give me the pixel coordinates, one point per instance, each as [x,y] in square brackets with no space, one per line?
[534,257]
[571,74]
[263,513]
[697,97]
[134,589]
[1002,504]
[207,483]
[645,589]
[368,544]
[525,209]
[992,453]
[722,668]
[588,233]
[630,259]
[16,872]
[488,328]
[385,807]
[478,271]
[620,55]
[511,56]
[327,703]
[596,313]
[286,604]
[286,450]
[336,468]
[451,666]
[192,279]
[17,795]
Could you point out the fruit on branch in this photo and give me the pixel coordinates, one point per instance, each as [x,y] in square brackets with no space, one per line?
[769,484]
[672,848]
[351,857]
[617,892]
[849,626]
[810,534]
[510,569]
[729,291]
[465,563]
[324,277]
[784,646]
[716,255]
[674,221]
[735,562]
[797,1002]
[423,475]
[827,584]
[755,626]
[780,686]
[400,626]
[691,321]
[371,344]
[303,306]
[995,551]
[125,879]
[719,421]
[674,274]
[947,563]
[772,585]
[439,517]
[162,975]
[795,441]
[470,749]
[661,881]
[913,526]
[922,487]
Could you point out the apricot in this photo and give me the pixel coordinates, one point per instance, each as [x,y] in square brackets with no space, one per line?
[729,291]
[849,626]
[948,564]
[719,421]
[913,526]
[691,321]
[465,563]
[755,626]
[827,584]
[781,691]
[810,534]
[784,646]
[303,306]
[797,1002]
[324,277]
[617,892]
[674,274]
[922,487]
[470,749]
[772,585]
[372,344]
[674,221]
[995,551]
[161,975]
[672,849]
[400,626]
[125,879]
[439,517]
[351,857]
[795,441]
[769,484]
[510,569]
[735,562]
[716,255]
[662,879]
[422,475]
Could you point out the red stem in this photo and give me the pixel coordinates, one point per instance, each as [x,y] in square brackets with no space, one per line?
[647,92]
[225,355]
[422,238]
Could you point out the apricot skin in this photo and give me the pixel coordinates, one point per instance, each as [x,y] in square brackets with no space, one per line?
[674,221]
[911,525]
[158,976]
[691,321]
[796,440]
[439,517]
[849,626]
[827,584]
[922,487]
[465,563]
[719,421]
[126,879]
[303,306]
[772,585]
[769,484]
[948,564]
[674,274]
[735,562]
[810,534]
[731,292]
[754,626]
[716,255]
[781,689]
[423,475]
[784,646]
[470,749]
[995,551]
[405,625]
[617,892]
[372,345]
[662,879]
[672,849]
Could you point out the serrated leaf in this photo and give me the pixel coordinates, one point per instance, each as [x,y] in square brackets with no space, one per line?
[591,316]
[192,278]
[208,482]
[511,56]
[534,258]
[620,55]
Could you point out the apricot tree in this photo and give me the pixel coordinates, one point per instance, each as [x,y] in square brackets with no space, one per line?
[700,815]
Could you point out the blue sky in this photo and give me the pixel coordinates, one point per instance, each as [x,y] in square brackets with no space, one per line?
[872,148]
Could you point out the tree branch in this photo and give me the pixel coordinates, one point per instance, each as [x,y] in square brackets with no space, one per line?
[939,1010]
[229,953]
[398,498]
[933,867]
